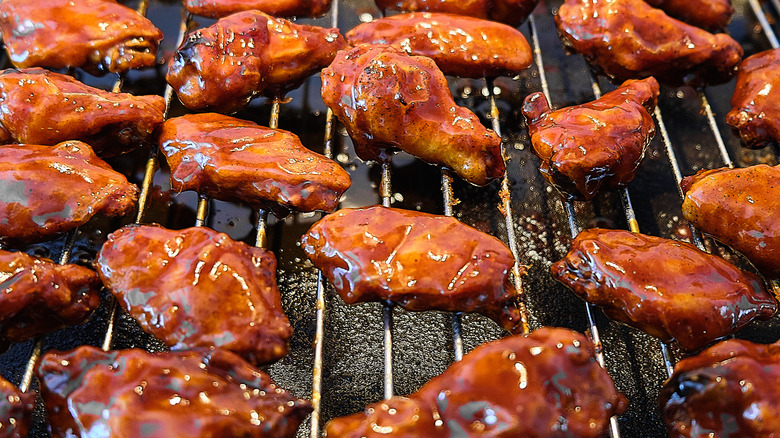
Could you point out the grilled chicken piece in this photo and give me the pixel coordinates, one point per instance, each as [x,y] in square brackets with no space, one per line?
[595,145]
[631,40]
[666,288]
[706,14]
[188,394]
[739,207]
[418,260]
[388,99]
[99,36]
[41,107]
[236,160]
[198,288]
[755,105]
[15,410]
[45,190]
[728,390]
[223,66]
[511,12]
[277,8]
[39,296]
[502,388]
[460,46]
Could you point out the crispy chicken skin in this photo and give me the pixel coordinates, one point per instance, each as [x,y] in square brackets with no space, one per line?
[15,410]
[728,390]
[460,46]
[235,160]
[418,260]
[739,207]
[707,14]
[502,388]
[632,40]
[755,105]
[596,145]
[41,107]
[198,288]
[388,99]
[221,67]
[277,8]
[187,394]
[511,12]
[48,190]
[666,288]
[39,296]
[99,36]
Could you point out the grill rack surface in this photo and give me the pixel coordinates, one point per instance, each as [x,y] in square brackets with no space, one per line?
[339,356]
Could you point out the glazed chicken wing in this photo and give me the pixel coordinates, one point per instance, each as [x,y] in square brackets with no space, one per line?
[198,288]
[16,409]
[545,384]
[188,394]
[39,296]
[631,40]
[740,208]
[511,12]
[388,99]
[41,107]
[223,66]
[418,260]
[460,46]
[99,36]
[755,105]
[666,288]
[48,190]
[595,145]
[707,14]
[277,8]
[235,160]
[728,390]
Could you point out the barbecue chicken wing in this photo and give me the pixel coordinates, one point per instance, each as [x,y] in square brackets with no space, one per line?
[666,288]
[198,288]
[728,390]
[740,208]
[707,14]
[755,105]
[235,160]
[99,36]
[388,99]
[188,394]
[277,8]
[15,410]
[48,190]
[460,46]
[418,260]
[511,12]
[595,145]
[41,107]
[223,66]
[545,384]
[631,40]
[39,296]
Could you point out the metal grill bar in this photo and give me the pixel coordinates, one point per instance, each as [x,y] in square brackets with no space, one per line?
[762,19]
[715,130]
[386,192]
[449,201]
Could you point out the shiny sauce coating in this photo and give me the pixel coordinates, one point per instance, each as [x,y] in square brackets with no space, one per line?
[755,111]
[277,8]
[15,410]
[707,14]
[511,12]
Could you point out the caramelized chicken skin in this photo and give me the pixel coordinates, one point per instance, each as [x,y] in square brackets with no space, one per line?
[631,40]
[739,207]
[595,145]
[418,260]
[707,14]
[39,296]
[41,107]
[666,288]
[236,160]
[277,8]
[188,394]
[755,111]
[545,384]
[198,288]
[511,12]
[728,390]
[460,46]
[15,410]
[48,190]
[388,99]
[223,66]
[100,36]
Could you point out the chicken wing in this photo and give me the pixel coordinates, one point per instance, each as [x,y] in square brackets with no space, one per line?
[595,145]
[277,8]
[707,14]
[755,105]
[511,12]
[388,99]
[16,409]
